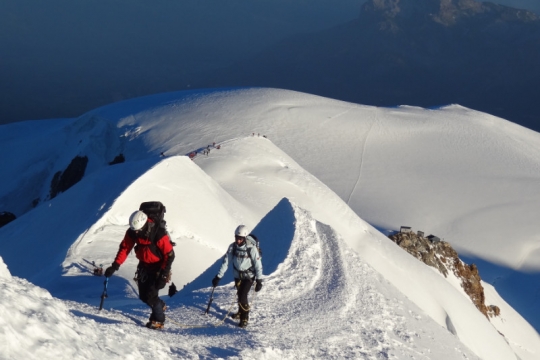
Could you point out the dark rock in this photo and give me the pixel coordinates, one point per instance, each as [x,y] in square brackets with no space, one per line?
[6,217]
[62,181]
[494,311]
[118,159]
[445,259]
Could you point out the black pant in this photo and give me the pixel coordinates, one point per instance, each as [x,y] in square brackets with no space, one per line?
[242,290]
[149,293]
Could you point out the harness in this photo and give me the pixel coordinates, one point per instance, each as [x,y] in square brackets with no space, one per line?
[244,274]
[154,233]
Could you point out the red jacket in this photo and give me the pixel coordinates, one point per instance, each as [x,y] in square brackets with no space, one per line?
[143,249]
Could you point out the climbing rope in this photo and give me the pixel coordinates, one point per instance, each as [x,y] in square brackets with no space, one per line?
[216,324]
[250,306]
[219,322]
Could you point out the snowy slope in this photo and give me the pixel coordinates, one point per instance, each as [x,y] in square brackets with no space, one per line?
[460,168]
[465,176]
[400,307]
[321,294]
[320,301]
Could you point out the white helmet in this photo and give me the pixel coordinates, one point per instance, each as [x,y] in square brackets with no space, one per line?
[241,230]
[137,220]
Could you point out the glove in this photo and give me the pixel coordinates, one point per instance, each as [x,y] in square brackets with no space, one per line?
[172,290]
[162,280]
[111,269]
[258,285]
[215,281]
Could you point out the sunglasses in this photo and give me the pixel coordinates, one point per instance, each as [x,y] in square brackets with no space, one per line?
[237,237]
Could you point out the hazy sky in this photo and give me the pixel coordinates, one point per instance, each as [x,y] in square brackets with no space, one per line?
[61,58]
[533,5]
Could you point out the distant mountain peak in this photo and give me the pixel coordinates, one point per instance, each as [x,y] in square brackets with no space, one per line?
[445,12]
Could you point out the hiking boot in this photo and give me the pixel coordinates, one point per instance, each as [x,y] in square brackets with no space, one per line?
[155,325]
[157,314]
[235,316]
[152,314]
[244,315]
[243,323]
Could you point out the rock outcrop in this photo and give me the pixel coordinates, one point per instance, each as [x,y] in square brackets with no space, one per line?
[441,256]
[63,180]
[6,217]
[118,159]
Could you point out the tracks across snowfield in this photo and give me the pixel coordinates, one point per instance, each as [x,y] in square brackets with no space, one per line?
[322,301]
[315,299]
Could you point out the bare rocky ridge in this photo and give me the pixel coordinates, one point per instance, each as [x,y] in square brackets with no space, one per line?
[441,256]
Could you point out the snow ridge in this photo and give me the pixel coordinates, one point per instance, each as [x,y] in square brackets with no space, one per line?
[336,286]
[321,294]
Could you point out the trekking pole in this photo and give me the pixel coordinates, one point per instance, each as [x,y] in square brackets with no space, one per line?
[104,294]
[254,295]
[210,301]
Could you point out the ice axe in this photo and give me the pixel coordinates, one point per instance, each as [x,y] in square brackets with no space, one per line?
[210,301]
[104,294]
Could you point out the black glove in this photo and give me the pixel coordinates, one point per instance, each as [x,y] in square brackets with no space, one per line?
[111,269]
[162,280]
[172,290]
[258,285]
[215,281]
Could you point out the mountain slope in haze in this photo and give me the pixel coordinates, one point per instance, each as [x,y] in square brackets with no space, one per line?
[409,52]
[62,58]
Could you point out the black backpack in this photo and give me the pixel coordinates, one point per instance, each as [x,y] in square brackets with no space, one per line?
[155,210]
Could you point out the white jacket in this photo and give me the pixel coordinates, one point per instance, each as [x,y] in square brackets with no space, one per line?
[246,263]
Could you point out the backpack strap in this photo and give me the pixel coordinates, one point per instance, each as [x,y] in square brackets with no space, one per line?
[252,268]
[156,233]
[255,242]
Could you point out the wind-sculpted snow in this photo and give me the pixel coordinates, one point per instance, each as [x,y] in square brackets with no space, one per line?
[335,286]
[274,231]
[332,297]
[34,325]
[193,201]
[322,301]
[4,271]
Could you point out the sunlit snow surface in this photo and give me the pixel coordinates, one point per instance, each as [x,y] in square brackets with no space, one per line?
[335,286]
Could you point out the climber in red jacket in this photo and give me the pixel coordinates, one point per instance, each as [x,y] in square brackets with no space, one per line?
[155,252]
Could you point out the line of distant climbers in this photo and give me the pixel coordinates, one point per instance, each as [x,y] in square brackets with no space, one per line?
[206,150]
